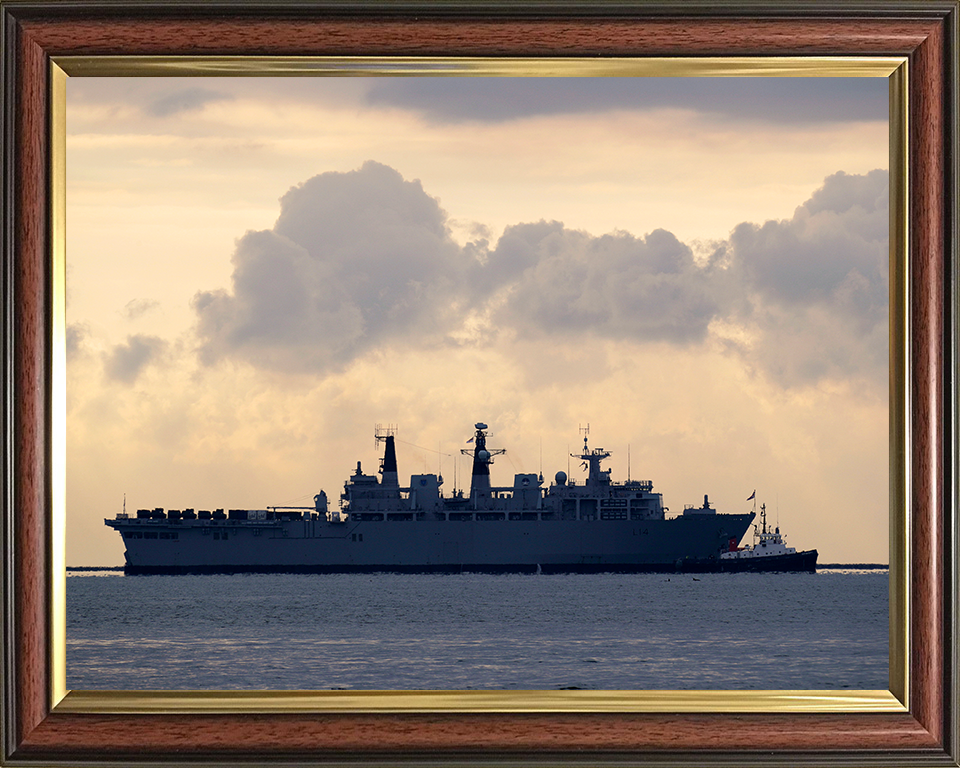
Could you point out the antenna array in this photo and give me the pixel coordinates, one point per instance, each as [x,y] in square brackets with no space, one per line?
[382,431]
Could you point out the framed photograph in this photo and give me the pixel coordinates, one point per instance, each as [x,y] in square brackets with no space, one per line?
[45,44]
[556,282]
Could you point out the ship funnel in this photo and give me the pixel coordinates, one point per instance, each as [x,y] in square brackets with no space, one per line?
[320,500]
[388,465]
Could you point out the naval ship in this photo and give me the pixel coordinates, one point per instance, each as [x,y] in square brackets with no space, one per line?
[595,525]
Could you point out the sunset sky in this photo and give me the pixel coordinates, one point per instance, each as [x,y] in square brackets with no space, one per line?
[260,270]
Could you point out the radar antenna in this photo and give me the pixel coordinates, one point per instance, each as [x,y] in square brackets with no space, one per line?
[382,431]
[479,441]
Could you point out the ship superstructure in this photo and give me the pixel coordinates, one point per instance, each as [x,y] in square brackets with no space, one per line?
[568,526]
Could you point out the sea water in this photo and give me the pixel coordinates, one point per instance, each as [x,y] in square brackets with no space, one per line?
[474,631]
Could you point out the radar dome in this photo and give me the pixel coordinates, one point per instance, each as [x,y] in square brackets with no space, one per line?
[483,455]
[561,478]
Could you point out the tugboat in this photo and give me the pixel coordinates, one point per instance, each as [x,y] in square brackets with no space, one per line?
[769,552]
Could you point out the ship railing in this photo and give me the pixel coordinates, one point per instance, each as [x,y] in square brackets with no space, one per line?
[643,485]
[508,491]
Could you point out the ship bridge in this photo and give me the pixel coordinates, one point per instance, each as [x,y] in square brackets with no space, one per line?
[599,498]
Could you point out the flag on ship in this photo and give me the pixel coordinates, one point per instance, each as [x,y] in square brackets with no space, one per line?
[752,496]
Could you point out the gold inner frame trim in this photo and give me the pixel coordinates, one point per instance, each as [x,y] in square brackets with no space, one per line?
[58,374]
[899,389]
[414,66]
[386,702]
[713,701]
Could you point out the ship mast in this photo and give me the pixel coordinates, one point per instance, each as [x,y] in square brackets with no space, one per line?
[482,459]
[388,464]
[591,461]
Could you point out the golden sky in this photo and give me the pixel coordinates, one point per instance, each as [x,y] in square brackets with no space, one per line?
[260,270]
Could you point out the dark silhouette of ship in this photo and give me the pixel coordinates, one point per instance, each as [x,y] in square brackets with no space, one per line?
[596,525]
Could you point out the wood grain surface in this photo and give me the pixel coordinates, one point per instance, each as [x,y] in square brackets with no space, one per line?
[929,246]
[425,36]
[35,33]
[30,417]
[294,736]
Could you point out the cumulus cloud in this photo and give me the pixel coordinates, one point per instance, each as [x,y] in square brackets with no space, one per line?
[354,259]
[362,259]
[125,362]
[818,283]
[835,243]
[615,286]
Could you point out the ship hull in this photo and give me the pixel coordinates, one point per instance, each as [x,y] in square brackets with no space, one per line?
[794,562]
[560,568]
[427,546]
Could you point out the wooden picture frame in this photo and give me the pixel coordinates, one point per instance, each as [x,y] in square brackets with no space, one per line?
[38,729]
